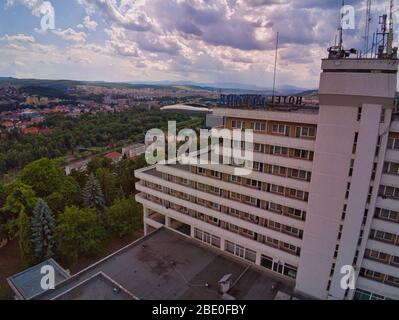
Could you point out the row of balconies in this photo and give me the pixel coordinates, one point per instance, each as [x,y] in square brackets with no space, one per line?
[379,277]
[387,215]
[235,196]
[382,257]
[251,218]
[301,131]
[384,237]
[274,150]
[278,244]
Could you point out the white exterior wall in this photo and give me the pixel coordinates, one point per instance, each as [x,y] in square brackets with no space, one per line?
[360,186]
[333,151]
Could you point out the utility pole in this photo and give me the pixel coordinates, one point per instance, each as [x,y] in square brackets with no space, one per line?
[275,65]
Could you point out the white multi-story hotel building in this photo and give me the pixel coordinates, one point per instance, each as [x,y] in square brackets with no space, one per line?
[324,192]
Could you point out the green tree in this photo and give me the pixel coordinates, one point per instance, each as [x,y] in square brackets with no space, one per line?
[44,176]
[125,172]
[124,217]
[80,177]
[79,233]
[97,163]
[25,243]
[21,198]
[92,194]
[67,194]
[109,184]
[43,225]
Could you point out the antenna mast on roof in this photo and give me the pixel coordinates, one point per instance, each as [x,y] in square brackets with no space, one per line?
[390,32]
[275,66]
[385,36]
[367,27]
[338,51]
[341,38]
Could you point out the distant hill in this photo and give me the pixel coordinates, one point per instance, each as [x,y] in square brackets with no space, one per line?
[229,86]
[178,85]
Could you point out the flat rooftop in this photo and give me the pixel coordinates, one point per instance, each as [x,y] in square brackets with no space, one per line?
[26,284]
[98,287]
[166,265]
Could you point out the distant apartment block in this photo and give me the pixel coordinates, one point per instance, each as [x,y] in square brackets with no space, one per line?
[324,192]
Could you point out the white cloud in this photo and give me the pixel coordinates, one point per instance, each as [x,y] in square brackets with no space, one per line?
[71,35]
[89,24]
[18,38]
[34,5]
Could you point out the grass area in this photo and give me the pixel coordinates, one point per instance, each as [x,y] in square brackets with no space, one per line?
[11,262]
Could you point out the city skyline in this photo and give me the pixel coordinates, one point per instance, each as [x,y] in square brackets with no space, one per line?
[201,41]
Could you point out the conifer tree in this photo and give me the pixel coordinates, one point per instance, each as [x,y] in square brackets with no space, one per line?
[92,194]
[43,226]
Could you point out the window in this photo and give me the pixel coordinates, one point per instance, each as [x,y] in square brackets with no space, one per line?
[290,271]
[251,200]
[236,124]
[376,255]
[274,225]
[386,214]
[280,171]
[359,114]
[280,129]
[395,260]
[258,147]
[201,186]
[248,232]
[392,280]
[289,247]
[300,174]
[298,194]
[230,247]
[235,179]
[272,242]
[389,192]
[296,213]
[303,154]
[391,168]
[201,171]
[216,174]
[235,196]
[382,236]
[292,230]
[254,183]
[275,207]
[277,189]
[281,151]
[215,190]
[393,143]
[306,132]
[266,262]
[250,255]
[258,166]
[258,126]
[215,206]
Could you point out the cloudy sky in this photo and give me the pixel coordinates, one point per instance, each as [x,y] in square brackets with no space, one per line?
[152,40]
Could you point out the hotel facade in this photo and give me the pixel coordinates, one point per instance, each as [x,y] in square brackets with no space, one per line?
[323,193]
